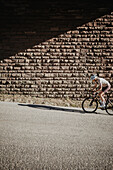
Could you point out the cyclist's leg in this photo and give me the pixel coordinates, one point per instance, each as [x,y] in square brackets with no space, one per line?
[108,88]
[101,95]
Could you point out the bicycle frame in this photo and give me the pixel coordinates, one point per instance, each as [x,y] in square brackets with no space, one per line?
[107,100]
[94,101]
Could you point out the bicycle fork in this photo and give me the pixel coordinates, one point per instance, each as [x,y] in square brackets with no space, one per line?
[91,102]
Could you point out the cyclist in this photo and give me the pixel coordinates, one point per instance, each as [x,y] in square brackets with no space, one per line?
[104,86]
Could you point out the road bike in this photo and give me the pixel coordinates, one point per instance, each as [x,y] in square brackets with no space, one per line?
[90,104]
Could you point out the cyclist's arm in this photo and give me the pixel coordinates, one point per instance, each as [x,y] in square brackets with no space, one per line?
[100,88]
[94,87]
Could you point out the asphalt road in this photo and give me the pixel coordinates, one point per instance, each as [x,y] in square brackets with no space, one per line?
[35,137]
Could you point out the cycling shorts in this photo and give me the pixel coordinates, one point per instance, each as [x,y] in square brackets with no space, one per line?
[106,88]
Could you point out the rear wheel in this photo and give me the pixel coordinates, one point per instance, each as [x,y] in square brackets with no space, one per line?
[89,105]
[109,107]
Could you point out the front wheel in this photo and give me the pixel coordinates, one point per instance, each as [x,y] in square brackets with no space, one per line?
[109,107]
[89,105]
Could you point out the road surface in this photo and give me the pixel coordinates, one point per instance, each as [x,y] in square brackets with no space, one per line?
[38,137]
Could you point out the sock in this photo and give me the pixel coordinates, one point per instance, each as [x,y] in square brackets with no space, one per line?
[103,103]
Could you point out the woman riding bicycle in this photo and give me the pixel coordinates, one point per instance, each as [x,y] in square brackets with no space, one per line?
[104,86]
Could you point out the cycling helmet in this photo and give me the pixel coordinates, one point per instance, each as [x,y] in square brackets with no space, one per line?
[93,77]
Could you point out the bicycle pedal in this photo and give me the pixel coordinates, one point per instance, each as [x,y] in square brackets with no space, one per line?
[102,108]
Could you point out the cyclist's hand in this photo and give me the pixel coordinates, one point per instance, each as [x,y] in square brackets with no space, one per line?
[95,93]
[90,91]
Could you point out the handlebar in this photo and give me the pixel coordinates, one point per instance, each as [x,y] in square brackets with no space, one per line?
[92,93]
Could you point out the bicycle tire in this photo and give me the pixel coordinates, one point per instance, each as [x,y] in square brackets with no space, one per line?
[87,107]
[109,107]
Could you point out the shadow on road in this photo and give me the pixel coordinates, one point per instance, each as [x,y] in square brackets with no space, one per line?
[45,107]
[60,108]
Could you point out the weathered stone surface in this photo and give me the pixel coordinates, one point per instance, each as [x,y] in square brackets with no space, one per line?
[58,66]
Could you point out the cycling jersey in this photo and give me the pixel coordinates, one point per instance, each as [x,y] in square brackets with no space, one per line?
[103,82]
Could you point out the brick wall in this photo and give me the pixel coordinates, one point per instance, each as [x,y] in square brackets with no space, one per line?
[57,62]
